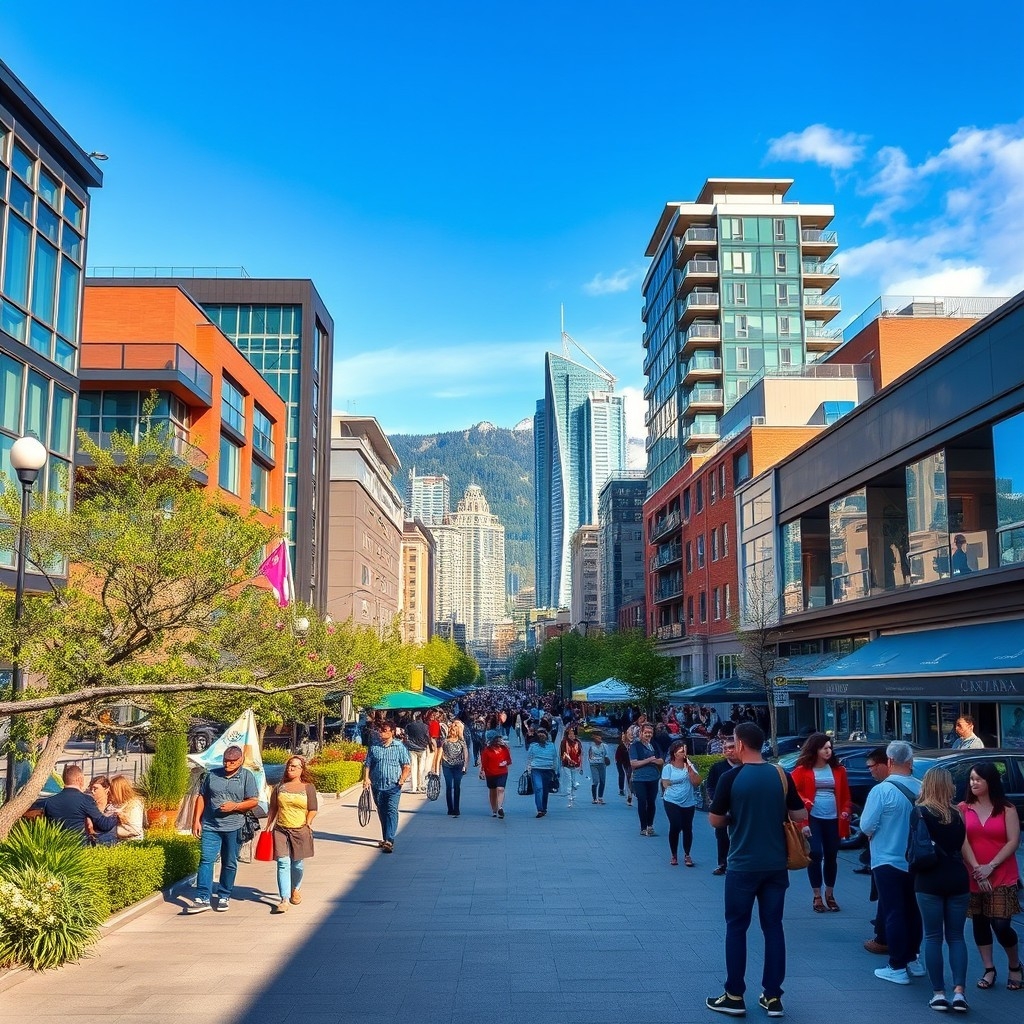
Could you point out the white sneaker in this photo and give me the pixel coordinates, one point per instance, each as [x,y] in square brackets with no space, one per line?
[916,969]
[897,977]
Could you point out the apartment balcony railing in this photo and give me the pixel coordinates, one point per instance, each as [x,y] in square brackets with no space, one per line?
[668,592]
[190,454]
[823,333]
[702,366]
[710,332]
[815,236]
[666,525]
[672,631]
[673,553]
[821,301]
[699,234]
[818,268]
[700,267]
[703,397]
[702,299]
[145,364]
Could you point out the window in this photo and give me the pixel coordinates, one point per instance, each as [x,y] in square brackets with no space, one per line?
[686,505]
[49,189]
[781,263]
[703,606]
[689,557]
[727,665]
[737,228]
[689,611]
[742,357]
[259,487]
[784,326]
[785,356]
[725,540]
[714,545]
[721,479]
[717,604]
[741,466]
[700,551]
[742,332]
[232,406]
[262,432]
[11,375]
[739,293]
[228,475]
[741,262]
[699,489]
[780,229]
[711,487]
[728,601]
[23,165]
[782,294]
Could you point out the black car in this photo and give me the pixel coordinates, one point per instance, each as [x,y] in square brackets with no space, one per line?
[959,763]
[202,732]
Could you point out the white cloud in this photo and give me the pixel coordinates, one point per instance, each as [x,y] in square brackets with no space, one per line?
[821,145]
[611,284]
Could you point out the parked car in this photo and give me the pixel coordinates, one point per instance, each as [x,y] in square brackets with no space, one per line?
[959,763]
[202,732]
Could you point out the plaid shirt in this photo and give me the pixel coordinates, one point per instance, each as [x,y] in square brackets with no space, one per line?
[385,764]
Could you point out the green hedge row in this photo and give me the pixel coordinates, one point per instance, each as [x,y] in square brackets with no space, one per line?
[336,776]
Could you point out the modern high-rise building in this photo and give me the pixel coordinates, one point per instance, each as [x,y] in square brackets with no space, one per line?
[483,541]
[620,539]
[579,440]
[417,582]
[449,574]
[284,330]
[45,178]
[428,498]
[738,286]
[586,578]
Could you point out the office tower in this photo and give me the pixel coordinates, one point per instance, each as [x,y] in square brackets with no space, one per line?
[621,543]
[737,287]
[45,178]
[427,498]
[449,574]
[285,331]
[586,578]
[483,544]
[418,549]
[579,440]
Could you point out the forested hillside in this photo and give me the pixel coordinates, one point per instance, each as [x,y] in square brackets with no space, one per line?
[499,460]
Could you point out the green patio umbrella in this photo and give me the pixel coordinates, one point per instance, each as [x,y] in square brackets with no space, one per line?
[405,699]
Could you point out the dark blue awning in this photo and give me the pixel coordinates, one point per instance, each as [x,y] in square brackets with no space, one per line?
[443,695]
[982,661]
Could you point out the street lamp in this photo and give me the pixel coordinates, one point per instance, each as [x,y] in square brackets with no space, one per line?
[28,457]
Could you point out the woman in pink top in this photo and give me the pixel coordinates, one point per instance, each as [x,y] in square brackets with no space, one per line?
[990,850]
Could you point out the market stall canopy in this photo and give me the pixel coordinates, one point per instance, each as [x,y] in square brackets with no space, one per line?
[795,669]
[441,695]
[608,691]
[949,664]
[406,699]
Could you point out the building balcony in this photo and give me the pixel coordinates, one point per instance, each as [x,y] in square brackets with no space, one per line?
[667,556]
[696,304]
[824,307]
[698,335]
[702,367]
[665,525]
[169,366]
[187,453]
[671,631]
[820,243]
[669,591]
[821,339]
[705,400]
[694,239]
[703,430]
[697,272]
[819,274]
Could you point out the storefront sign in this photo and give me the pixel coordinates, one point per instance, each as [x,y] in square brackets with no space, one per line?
[923,687]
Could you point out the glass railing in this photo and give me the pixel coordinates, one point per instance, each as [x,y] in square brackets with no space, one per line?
[704,331]
[704,396]
[818,267]
[821,237]
[700,267]
[114,356]
[701,235]
[829,333]
[661,526]
[812,301]
[184,449]
[702,299]
[709,364]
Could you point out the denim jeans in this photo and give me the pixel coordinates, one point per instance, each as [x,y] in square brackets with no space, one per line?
[902,918]
[824,847]
[387,810]
[598,774]
[289,876]
[944,915]
[211,845]
[541,778]
[741,889]
[646,793]
[453,775]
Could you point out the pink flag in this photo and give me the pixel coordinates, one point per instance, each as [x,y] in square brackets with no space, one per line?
[276,568]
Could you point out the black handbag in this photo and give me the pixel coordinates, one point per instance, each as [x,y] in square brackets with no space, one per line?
[556,781]
[525,787]
[250,826]
[433,785]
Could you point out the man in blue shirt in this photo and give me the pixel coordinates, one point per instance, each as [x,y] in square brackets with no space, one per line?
[385,772]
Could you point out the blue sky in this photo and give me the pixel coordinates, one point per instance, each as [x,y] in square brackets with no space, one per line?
[450,174]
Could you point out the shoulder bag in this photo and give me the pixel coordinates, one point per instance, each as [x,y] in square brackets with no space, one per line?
[525,787]
[798,850]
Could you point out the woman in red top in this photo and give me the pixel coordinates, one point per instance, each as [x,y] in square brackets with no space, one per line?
[495,761]
[570,752]
[993,832]
[821,782]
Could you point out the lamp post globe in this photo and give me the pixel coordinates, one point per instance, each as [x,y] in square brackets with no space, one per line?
[27,457]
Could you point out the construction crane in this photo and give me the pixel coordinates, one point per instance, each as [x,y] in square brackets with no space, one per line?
[568,340]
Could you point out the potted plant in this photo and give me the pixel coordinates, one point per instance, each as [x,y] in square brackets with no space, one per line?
[165,782]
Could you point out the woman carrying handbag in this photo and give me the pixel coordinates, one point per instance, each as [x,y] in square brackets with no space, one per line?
[293,807]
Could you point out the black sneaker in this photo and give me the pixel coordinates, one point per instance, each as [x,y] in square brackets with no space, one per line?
[725,1003]
[939,1002]
[771,1005]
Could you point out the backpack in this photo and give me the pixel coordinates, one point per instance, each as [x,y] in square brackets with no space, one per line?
[922,852]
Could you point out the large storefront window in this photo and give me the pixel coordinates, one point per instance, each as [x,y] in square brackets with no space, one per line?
[1008,444]
[792,569]
[848,546]
[927,519]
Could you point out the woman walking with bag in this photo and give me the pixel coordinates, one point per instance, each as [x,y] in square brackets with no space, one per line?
[293,807]
[540,763]
[598,761]
[943,891]
[993,833]
[821,782]
[454,764]
[495,762]
[679,783]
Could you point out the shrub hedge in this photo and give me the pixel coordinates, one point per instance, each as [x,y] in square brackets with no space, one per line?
[276,755]
[129,872]
[181,854]
[335,776]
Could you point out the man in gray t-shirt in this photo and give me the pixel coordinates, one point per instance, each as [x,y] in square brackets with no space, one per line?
[226,794]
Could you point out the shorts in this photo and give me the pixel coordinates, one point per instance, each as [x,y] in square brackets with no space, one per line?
[497,781]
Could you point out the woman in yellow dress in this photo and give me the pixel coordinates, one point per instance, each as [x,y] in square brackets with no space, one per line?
[293,807]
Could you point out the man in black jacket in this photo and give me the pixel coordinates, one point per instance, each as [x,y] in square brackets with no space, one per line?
[715,773]
[72,807]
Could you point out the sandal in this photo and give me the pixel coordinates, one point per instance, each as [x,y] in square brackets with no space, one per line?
[830,902]
[688,861]
[819,906]
[1015,984]
[674,862]
[984,981]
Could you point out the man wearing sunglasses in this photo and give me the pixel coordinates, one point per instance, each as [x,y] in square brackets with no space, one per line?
[224,797]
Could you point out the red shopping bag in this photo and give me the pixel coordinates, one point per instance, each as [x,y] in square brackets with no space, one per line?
[265,846]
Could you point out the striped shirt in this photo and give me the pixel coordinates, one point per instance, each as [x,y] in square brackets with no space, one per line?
[385,764]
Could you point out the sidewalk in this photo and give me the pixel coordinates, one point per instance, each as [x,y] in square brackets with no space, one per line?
[571,918]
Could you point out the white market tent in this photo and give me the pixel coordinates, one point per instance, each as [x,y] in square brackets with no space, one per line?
[608,691]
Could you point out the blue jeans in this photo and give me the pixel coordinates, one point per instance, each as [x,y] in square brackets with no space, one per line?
[289,876]
[824,847]
[453,775]
[541,778]
[387,810]
[741,889]
[944,915]
[902,918]
[211,845]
